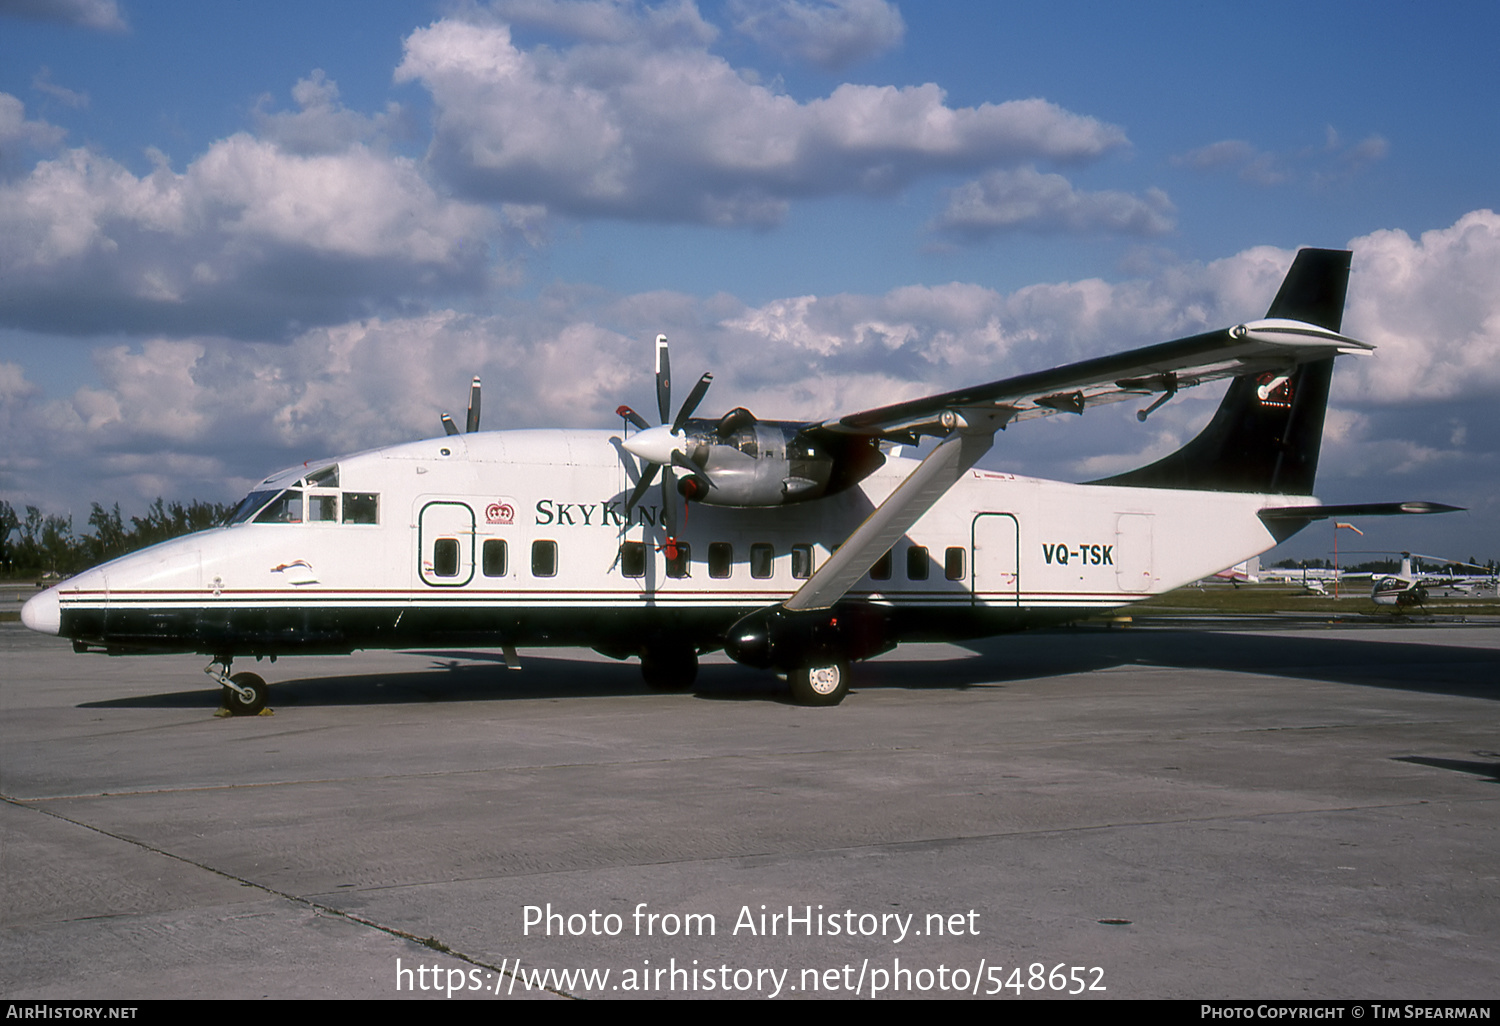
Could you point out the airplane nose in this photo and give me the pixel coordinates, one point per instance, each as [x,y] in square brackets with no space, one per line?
[43,613]
[653,444]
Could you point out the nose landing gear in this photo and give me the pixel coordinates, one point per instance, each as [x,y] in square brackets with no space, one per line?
[244,694]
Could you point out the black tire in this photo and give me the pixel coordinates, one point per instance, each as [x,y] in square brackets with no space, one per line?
[669,669]
[820,683]
[238,704]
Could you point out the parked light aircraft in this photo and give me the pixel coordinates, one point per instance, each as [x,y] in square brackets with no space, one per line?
[1407,588]
[809,546]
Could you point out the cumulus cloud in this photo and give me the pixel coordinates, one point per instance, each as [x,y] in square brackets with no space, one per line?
[204,416]
[249,239]
[324,125]
[1431,305]
[103,15]
[18,133]
[1334,161]
[1024,199]
[611,21]
[675,134]
[831,34]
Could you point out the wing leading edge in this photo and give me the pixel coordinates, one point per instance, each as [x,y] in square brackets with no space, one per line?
[1256,347]
[1301,326]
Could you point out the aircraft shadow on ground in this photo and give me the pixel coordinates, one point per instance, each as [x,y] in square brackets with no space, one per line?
[478,676]
[1473,767]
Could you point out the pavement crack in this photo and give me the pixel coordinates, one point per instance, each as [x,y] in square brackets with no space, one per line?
[431,943]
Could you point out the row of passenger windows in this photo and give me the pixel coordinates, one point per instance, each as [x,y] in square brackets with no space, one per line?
[633,557]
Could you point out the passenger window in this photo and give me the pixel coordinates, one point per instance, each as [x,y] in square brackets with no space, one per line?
[678,555]
[802,562]
[881,571]
[953,563]
[323,509]
[633,559]
[720,559]
[495,557]
[361,507]
[544,559]
[916,563]
[445,557]
[761,559]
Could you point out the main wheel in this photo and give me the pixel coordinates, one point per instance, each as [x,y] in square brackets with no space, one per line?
[669,669]
[240,705]
[820,683]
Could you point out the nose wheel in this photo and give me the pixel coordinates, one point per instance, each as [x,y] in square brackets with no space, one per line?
[244,694]
[248,696]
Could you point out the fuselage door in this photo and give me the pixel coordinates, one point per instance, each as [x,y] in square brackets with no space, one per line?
[997,560]
[445,544]
[1133,558]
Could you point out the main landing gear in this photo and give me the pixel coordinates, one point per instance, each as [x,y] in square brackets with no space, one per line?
[824,681]
[821,682]
[244,694]
[669,667]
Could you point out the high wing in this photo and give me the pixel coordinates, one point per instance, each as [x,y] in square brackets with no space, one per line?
[1301,327]
[1273,345]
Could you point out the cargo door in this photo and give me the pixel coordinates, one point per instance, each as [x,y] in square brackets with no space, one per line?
[996,559]
[1134,568]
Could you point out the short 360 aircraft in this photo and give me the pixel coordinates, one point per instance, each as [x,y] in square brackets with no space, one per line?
[810,545]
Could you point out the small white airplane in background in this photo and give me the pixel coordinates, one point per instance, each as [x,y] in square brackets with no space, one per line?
[808,546]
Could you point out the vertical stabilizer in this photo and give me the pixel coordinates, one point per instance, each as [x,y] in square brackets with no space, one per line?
[1267,432]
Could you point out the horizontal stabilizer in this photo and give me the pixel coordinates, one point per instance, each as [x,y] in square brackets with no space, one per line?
[1356,509]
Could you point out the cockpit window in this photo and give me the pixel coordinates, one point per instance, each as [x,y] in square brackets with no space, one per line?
[286,508]
[361,508]
[328,477]
[314,499]
[248,507]
[323,507]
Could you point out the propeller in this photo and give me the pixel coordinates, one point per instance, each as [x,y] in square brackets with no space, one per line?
[471,423]
[663,447]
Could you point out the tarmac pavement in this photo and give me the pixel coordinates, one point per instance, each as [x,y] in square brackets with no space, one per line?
[1301,811]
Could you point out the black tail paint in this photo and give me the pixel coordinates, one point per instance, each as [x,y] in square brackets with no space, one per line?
[1265,439]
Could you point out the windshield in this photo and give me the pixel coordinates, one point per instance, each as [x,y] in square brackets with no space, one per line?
[286,508]
[248,507]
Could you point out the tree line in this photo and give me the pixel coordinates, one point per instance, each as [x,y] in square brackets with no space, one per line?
[34,542]
[1390,566]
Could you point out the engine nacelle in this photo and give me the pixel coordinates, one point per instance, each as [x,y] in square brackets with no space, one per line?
[779,638]
[746,462]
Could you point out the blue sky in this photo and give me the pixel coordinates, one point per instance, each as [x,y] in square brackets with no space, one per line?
[234,236]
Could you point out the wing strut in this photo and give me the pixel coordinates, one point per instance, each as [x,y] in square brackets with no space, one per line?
[971,437]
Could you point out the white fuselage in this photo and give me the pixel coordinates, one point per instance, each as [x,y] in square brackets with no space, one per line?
[520,538]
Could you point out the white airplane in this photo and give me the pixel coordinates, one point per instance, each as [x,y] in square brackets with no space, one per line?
[807,547]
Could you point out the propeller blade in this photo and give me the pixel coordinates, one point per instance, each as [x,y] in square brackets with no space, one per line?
[472,424]
[669,502]
[640,488]
[679,460]
[663,380]
[633,417]
[449,427]
[694,398]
